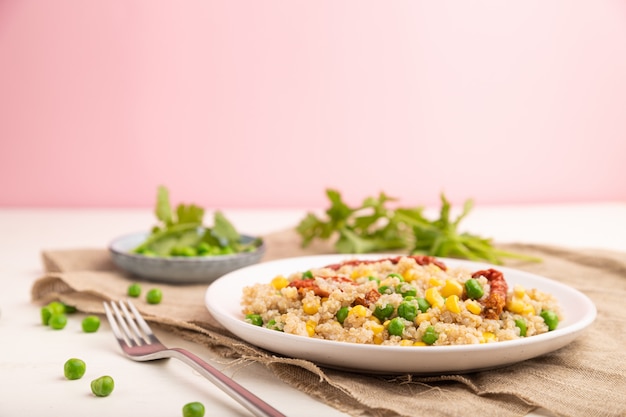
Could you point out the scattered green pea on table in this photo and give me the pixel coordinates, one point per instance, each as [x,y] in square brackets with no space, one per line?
[90,324]
[102,386]
[194,409]
[134,290]
[54,314]
[154,296]
[57,321]
[74,369]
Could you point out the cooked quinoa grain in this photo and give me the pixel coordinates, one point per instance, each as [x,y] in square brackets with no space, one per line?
[403,301]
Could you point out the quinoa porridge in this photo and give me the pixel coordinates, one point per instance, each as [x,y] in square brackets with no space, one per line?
[404,300]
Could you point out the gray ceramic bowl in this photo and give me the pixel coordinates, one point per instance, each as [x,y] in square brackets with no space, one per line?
[178,270]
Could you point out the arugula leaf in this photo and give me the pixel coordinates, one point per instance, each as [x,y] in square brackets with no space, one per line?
[224,231]
[189,214]
[163,209]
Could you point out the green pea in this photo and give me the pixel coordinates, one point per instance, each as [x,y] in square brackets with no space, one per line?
[194,409]
[154,296]
[406,290]
[227,250]
[394,275]
[74,369]
[396,326]
[551,319]
[385,289]
[186,251]
[56,307]
[342,313]
[203,248]
[103,386]
[272,325]
[423,304]
[371,278]
[57,321]
[69,309]
[430,336]
[407,310]
[254,319]
[134,290]
[474,289]
[45,315]
[91,324]
[521,323]
[383,312]
[307,275]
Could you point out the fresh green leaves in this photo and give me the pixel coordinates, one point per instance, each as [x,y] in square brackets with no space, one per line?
[375,227]
[181,232]
[369,228]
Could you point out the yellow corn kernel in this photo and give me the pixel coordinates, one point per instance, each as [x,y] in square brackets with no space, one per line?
[488,337]
[473,307]
[434,282]
[377,328]
[279,282]
[452,288]
[433,296]
[310,307]
[310,327]
[419,344]
[519,291]
[422,317]
[515,305]
[378,339]
[452,304]
[405,342]
[358,273]
[529,310]
[359,311]
[375,319]
[409,275]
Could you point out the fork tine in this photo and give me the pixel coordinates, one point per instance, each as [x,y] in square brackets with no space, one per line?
[139,337]
[117,325]
[142,323]
[112,321]
[130,338]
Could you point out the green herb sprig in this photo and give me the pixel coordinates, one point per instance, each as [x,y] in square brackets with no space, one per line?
[375,227]
[181,232]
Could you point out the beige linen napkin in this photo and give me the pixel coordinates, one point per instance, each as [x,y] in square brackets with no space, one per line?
[585,378]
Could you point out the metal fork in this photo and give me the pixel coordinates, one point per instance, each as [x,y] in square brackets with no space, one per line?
[139,343]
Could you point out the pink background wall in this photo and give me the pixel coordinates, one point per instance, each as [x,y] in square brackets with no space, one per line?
[266,103]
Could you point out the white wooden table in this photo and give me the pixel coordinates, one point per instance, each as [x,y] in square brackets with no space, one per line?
[32,356]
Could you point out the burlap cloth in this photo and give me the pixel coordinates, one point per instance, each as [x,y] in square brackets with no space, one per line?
[585,378]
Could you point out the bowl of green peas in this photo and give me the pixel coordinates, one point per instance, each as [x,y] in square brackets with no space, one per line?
[182,249]
[180,260]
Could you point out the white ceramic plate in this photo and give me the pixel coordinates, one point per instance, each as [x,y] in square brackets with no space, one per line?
[223,300]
